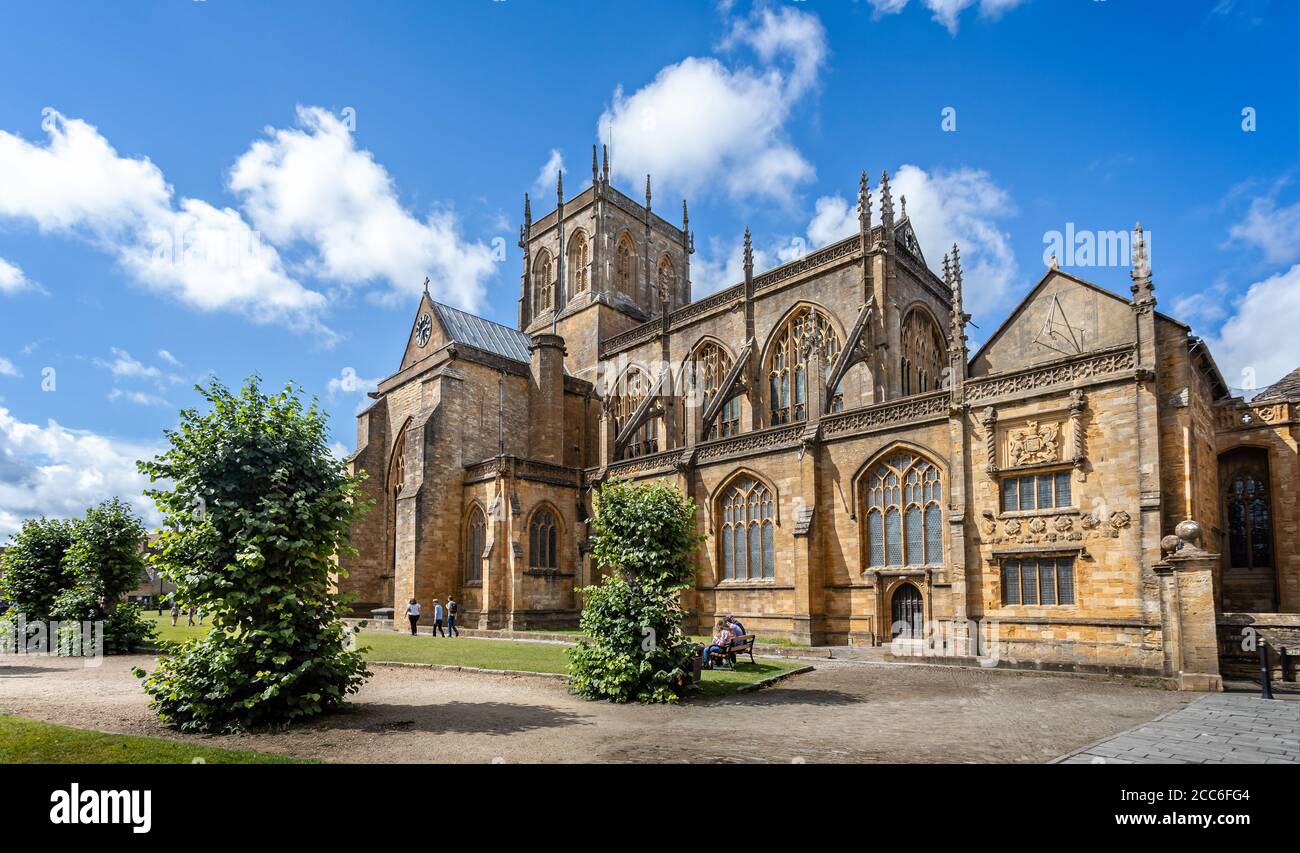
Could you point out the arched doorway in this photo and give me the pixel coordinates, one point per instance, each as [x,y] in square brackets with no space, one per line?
[906,612]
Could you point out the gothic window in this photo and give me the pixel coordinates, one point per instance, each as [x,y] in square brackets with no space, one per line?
[543,540]
[398,478]
[787,372]
[475,541]
[667,288]
[925,353]
[712,364]
[904,521]
[746,530]
[632,390]
[579,259]
[1247,509]
[625,265]
[543,284]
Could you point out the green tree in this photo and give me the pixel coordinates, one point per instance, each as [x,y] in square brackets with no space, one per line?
[644,536]
[34,574]
[103,562]
[258,509]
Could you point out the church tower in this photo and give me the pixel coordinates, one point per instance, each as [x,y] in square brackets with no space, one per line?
[599,264]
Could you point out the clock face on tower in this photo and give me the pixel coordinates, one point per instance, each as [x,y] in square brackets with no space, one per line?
[423,328]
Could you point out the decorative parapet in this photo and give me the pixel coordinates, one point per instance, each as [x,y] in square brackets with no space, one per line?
[1094,366]
[785,437]
[932,406]
[836,252]
[523,469]
[1237,414]
[654,463]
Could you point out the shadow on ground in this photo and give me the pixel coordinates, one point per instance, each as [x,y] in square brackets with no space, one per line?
[489,718]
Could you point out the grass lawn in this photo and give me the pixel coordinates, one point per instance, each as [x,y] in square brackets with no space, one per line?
[496,654]
[24,741]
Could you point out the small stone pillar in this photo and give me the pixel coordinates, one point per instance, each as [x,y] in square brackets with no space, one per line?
[1187,610]
[546,398]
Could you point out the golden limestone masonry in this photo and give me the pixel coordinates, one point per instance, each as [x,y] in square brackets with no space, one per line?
[1083,492]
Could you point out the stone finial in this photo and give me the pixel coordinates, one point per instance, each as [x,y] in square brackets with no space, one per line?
[1053,263]
[647,193]
[528,212]
[1143,289]
[864,203]
[947,271]
[903,200]
[559,186]
[686,218]
[604,162]
[749,250]
[956,268]
[595,170]
[886,202]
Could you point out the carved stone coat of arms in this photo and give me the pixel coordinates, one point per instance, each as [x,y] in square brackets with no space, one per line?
[1035,442]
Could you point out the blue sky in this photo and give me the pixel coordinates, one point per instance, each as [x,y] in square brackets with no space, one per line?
[334,154]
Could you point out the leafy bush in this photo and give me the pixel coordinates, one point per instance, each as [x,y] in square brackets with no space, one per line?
[34,573]
[258,511]
[644,535]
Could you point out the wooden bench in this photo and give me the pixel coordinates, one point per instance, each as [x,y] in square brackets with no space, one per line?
[740,646]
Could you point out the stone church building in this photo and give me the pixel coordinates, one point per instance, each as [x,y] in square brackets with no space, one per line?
[1081,492]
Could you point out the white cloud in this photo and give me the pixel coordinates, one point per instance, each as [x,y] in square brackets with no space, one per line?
[312,185]
[962,206]
[206,257]
[1260,343]
[125,366]
[140,398]
[7,368]
[1272,229]
[949,12]
[349,382]
[169,358]
[55,471]
[701,123]
[13,279]
[544,184]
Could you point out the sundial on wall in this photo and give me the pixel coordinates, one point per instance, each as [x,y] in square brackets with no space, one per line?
[1058,333]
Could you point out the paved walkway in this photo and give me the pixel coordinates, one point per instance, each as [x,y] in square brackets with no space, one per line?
[1221,728]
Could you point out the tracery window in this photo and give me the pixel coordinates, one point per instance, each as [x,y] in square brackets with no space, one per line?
[904,521]
[712,363]
[746,530]
[924,353]
[543,284]
[543,540]
[475,542]
[625,265]
[1247,509]
[579,259]
[787,373]
[632,390]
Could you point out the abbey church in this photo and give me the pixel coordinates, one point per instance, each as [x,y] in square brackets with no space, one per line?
[1081,492]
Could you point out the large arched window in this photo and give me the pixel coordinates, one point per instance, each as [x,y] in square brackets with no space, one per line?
[1247,511]
[712,364]
[543,540]
[787,373]
[475,542]
[904,522]
[667,287]
[543,284]
[925,353]
[625,265]
[746,530]
[579,259]
[632,390]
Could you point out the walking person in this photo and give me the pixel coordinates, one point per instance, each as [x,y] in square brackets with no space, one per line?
[452,630]
[413,614]
[176,611]
[193,610]
[437,618]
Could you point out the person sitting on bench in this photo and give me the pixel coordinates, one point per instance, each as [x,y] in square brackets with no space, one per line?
[733,623]
[722,637]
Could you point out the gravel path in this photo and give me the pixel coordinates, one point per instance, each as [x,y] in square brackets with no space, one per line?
[842,712]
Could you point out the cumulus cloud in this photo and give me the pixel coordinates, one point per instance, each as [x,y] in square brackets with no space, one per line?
[701,122]
[949,12]
[1273,229]
[962,205]
[311,186]
[55,471]
[13,279]
[124,366]
[169,358]
[544,184]
[140,398]
[1258,344]
[7,368]
[77,184]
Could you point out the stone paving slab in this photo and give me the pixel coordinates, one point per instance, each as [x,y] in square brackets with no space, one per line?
[1220,728]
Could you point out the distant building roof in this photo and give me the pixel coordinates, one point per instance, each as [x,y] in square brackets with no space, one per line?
[463,327]
[1286,388]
